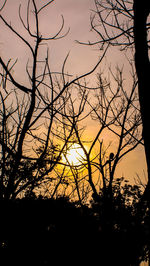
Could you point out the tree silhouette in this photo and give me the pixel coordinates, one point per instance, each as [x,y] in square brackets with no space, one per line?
[125,24]
[42,228]
[116,112]
[121,233]
[29,112]
[52,209]
[142,63]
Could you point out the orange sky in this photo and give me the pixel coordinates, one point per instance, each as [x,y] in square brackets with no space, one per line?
[82,58]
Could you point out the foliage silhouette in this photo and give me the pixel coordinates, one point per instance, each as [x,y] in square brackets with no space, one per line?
[121,226]
[42,231]
[39,231]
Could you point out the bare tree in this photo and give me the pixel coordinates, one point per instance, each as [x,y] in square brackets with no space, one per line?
[118,113]
[125,24]
[28,113]
[71,115]
[114,111]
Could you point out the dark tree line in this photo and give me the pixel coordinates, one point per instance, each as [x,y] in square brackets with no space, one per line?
[39,231]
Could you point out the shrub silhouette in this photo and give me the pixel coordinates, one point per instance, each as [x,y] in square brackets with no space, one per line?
[39,231]
[123,227]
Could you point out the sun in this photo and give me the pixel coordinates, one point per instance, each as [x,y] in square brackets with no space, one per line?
[74,156]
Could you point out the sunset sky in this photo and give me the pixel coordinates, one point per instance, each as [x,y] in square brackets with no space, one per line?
[76,14]
[77,18]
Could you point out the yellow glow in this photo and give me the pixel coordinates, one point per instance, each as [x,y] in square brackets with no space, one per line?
[74,156]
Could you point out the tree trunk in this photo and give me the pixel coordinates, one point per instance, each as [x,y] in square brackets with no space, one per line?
[142,64]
